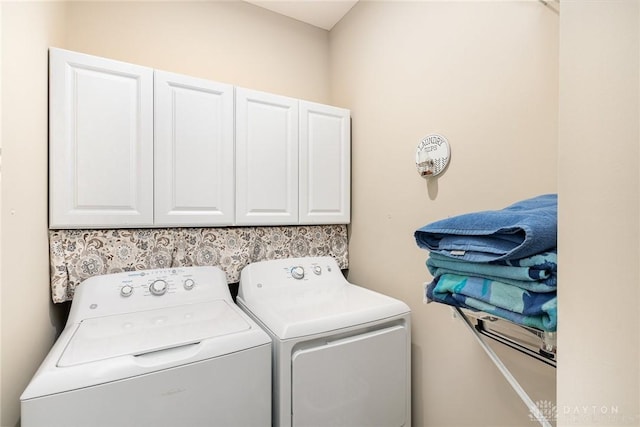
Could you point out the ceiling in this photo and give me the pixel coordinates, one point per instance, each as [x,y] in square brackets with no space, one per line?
[320,13]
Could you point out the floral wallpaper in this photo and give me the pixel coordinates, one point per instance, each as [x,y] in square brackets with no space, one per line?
[76,255]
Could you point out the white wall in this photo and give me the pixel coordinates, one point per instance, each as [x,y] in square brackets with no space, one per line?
[228,41]
[598,379]
[485,75]
[0,215]
[28,319]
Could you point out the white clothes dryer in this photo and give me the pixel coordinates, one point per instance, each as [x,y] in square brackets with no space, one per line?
[163,347]
[341,353]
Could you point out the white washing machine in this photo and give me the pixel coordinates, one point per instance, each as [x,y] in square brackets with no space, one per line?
[341,353]
[154,348]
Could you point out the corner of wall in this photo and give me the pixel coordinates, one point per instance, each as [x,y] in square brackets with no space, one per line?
[26,329]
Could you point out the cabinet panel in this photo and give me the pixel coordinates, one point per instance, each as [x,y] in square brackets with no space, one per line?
[266,159]
[101,142]
[325,164]
[194,173]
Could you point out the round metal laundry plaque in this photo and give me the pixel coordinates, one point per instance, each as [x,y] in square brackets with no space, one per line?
[432,155]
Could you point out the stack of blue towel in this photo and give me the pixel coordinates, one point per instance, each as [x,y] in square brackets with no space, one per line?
[501,262]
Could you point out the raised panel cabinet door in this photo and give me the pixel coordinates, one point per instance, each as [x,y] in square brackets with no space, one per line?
[100,142]
[194,161]
[266,159]
[325,164]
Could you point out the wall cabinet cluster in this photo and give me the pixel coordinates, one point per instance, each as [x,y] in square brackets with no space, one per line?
[130,146]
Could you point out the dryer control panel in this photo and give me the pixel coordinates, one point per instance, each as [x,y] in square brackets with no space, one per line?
[301,270]
[323,270]
[289,276]
[316,269]
[134,291]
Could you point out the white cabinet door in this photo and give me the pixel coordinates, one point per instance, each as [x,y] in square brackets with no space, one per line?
[101,142]
[325,164]
[266,159]
[194,173]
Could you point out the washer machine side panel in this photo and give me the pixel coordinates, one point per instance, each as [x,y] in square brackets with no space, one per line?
[359,380]
[203,394]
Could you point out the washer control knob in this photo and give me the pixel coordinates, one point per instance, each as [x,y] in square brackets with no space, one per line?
[317,270]
[189,284]
[126,290]
[297,272]
[158,287]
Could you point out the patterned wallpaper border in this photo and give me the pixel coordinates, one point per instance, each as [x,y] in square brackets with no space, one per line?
[76,255]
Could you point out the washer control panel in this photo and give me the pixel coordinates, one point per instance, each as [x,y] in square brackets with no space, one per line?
[149,289]
[126,291]
[157,282]
[158,287]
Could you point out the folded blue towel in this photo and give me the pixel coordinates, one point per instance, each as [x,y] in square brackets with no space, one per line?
[537,273]
[518,231]
[536,310]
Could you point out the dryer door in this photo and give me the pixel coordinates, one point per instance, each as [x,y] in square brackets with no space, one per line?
[357,381]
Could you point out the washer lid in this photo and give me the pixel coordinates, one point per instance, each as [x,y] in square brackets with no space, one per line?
[147,331]
[316,308]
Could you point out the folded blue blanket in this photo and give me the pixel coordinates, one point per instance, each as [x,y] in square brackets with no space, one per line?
[523,229]
[536,310]
[537,273]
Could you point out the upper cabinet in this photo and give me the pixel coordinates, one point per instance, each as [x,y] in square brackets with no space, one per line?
[325,164]
[266,158]
[292,161]
[135,147]
[193,151]
[101,142]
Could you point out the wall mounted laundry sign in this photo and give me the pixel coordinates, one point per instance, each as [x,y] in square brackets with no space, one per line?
[432,155]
